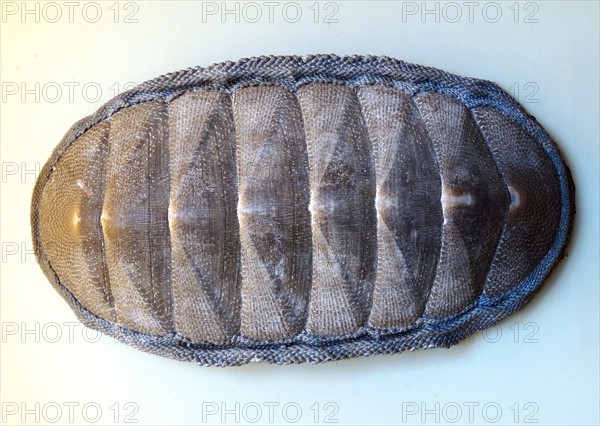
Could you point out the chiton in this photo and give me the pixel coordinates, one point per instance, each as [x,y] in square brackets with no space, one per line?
[291,209]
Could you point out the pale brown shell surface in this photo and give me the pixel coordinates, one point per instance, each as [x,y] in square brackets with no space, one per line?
[258,211]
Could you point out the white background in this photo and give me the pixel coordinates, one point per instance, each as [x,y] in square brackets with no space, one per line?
[540,364]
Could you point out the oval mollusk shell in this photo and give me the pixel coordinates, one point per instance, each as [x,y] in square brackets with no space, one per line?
[291,209]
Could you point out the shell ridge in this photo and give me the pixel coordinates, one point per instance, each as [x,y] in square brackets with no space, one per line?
[159,232]
[104,265]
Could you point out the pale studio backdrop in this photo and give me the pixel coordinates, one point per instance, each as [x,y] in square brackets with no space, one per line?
[62,60]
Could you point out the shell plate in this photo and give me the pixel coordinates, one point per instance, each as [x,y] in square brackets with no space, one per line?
[291,209]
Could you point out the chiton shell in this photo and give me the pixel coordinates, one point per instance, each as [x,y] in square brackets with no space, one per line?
[291,209]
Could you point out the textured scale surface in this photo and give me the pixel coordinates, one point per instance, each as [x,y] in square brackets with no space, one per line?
[291,209]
